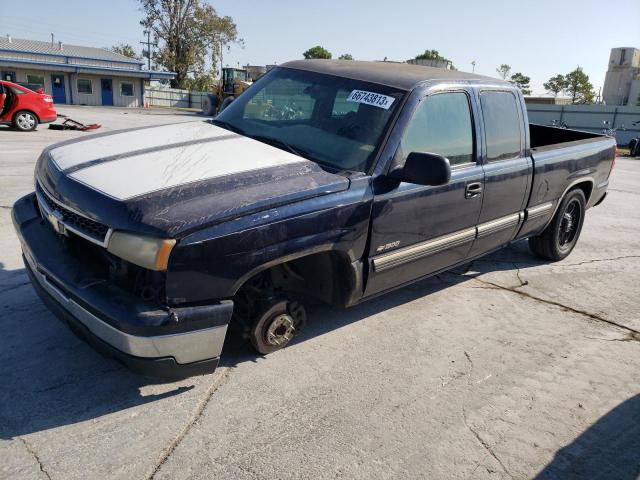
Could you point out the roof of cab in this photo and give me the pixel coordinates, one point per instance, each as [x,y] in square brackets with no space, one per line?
[399,75]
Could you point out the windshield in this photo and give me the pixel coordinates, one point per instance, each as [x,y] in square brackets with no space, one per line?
[334,121]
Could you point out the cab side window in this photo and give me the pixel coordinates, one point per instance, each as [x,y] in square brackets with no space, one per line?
[501,125]
[442,124]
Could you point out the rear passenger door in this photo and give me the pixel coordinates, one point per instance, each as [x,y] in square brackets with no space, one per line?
[416,229]
[507,169]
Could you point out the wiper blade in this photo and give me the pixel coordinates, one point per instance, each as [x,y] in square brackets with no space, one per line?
[281,144]
[228,126]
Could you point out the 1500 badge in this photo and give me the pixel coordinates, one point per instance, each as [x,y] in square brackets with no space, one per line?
[388,246]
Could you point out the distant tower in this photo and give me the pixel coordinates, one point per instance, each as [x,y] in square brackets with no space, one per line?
[622,82]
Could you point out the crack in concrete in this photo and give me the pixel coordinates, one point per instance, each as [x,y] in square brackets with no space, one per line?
[482,442]
[622,191]
[35,456]
[522,282]
[593,316]
[13,287]
[168,451]
[629,337]
[596,260]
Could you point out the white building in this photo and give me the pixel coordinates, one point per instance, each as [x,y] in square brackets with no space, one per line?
[622,82]
[76,74]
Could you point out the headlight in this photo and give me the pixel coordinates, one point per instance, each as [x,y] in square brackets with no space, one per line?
[148,252]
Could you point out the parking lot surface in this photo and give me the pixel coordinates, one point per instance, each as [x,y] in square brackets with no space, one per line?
[512,368]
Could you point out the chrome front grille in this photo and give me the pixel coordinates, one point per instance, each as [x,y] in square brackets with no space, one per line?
[73,221]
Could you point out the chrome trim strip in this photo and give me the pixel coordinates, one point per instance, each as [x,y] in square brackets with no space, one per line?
[184,347]
[42,203]
[502,223]
[414,252]
[539,210]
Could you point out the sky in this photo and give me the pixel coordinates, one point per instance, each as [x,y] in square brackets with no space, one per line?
[538,38]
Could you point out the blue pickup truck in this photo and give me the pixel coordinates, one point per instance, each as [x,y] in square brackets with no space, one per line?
[326,180]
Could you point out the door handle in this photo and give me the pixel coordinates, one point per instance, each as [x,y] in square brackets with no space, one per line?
[473,190]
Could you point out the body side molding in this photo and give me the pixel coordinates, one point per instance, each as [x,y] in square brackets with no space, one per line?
[423,249]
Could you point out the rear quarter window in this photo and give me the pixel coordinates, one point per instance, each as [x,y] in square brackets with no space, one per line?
[501,124]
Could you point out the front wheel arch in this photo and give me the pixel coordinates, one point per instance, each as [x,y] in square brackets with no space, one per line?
[341,278]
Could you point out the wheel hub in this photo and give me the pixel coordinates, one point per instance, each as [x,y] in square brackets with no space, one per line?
[281,330]
[568,222]
[25,121]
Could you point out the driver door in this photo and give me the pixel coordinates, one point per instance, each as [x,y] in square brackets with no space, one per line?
[418,230]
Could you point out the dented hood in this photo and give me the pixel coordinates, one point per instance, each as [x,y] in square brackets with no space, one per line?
[177,178]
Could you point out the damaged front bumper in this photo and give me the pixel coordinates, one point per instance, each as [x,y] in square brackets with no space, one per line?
[149,338]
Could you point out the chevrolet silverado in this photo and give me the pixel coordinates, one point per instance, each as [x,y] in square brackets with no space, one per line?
[328,180]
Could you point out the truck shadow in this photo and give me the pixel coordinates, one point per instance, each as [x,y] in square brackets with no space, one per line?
[51,378]
[608,449]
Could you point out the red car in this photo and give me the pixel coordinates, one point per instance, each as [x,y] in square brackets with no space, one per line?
[23,108]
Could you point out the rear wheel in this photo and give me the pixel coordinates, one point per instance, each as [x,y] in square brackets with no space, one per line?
[561,235]
[25,121]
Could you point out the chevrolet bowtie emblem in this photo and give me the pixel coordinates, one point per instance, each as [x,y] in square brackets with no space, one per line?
[55,219]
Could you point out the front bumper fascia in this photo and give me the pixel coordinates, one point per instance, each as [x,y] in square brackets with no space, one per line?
[150,339]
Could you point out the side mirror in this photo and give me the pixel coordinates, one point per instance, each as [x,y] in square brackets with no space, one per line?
[424,168]
[40,90]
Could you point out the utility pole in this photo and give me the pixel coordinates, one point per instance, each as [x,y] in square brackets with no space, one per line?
[149,44]
[473,66]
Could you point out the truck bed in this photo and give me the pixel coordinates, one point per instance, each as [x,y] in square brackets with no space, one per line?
[563,158]
[544,137]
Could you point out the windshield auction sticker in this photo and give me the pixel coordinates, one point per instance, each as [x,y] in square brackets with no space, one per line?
[370,98]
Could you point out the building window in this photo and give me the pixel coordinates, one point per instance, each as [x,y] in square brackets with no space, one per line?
[35,79]
[126,89]
[85,86]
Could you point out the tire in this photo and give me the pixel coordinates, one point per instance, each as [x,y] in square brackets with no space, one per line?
[225,103]
[561,235]
[276,326]
[25,121]
[210,105]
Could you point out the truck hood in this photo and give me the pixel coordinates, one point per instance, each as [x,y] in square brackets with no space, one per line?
[174,179]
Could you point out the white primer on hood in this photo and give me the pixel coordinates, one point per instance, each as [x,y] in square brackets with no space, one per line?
[68,156]
[136,175]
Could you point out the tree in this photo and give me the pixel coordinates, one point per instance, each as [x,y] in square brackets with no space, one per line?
[345,56]
[504,70]
[126,50]
[556,85]
[522,81]
[434,55]
[201,83]
[579,87]
[317,52]
[191,32]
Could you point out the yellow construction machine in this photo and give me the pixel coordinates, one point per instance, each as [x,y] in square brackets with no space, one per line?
[234,81]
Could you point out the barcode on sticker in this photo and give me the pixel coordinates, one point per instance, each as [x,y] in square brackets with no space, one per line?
[370,98]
